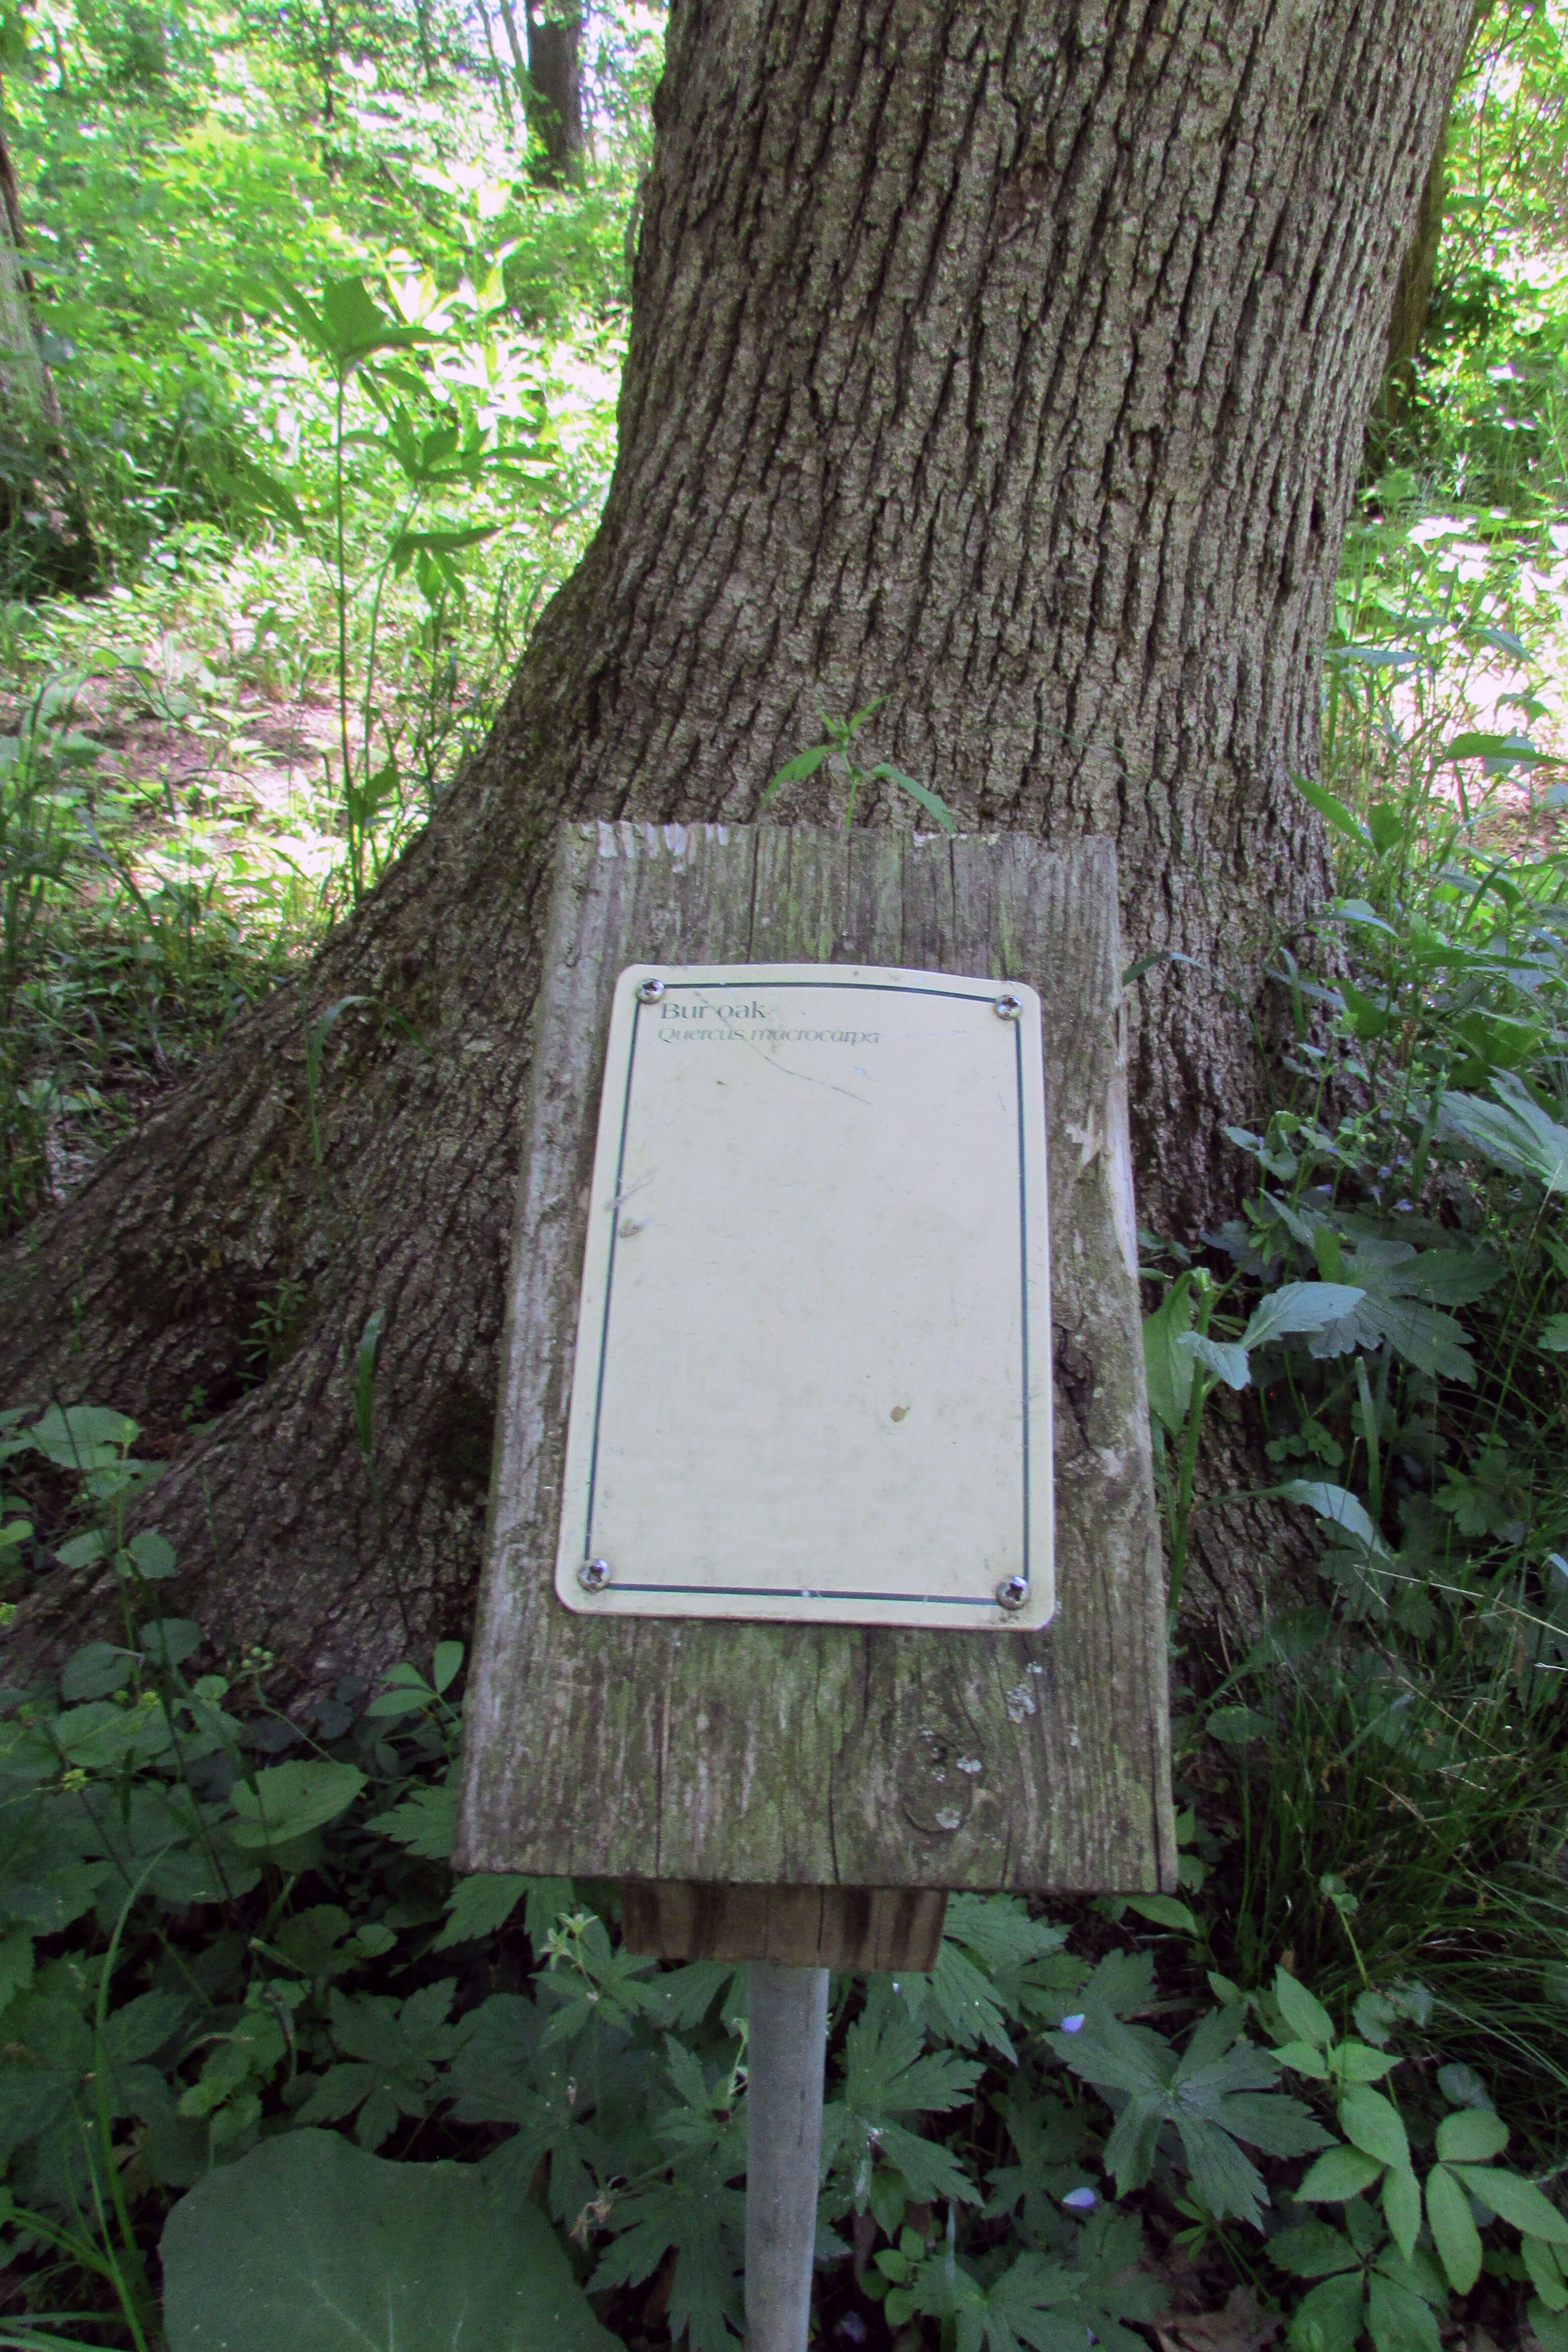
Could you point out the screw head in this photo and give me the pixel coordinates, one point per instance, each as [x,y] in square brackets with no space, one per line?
[593,1575]
[649,991]
[1007,1008]
[1013,1593]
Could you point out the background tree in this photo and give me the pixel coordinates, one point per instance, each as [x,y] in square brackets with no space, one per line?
[556,81]
[43,524]
[1011,360]
[550,84]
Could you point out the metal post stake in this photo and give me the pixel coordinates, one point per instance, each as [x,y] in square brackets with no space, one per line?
[786,2050]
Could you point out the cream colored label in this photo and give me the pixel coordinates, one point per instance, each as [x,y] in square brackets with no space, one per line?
[812,1372]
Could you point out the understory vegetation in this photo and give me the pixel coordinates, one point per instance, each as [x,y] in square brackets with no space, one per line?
[337,367]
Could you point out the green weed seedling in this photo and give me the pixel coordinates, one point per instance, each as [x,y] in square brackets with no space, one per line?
[837,754]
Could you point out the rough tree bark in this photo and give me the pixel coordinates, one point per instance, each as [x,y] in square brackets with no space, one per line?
[1010,358]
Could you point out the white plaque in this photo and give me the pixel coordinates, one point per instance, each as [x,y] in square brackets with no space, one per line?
[813,1375]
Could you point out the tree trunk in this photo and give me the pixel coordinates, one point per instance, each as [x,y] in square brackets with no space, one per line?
[514,43]
[1412,301]
[1008,361]
[555,91]
[49,542]
[498,70]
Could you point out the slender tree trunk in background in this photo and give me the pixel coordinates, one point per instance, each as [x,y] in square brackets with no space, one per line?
[514,43]
[1008,358]
[1412,301]
[555,89]
[426,47]
[43,524]
[498,70]
[325,51]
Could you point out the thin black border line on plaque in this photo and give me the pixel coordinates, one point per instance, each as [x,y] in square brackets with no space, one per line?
[796,1591]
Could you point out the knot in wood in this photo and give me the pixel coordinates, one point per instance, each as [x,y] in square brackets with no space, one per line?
[941,1766]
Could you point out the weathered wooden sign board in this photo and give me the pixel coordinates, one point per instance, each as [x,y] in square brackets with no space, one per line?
[796,1789]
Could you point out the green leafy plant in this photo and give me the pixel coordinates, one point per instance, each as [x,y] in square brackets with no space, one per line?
[308,2240]
[838,755]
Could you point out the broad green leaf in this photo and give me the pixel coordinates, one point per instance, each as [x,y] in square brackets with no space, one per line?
[1549,2327]
[1371,2123]
[445,1664]
[1515,2201]
[1454,2232]
[1128,2153]
[1513,1133]
[1302,2010]
[402,1701]
[479,1905]
[1443,1277]
[83,1436]
[1312,2249]
[1300,1307]
[407,543]
[1335,1504]
[425,1821]
[1367,1018]
[170,1641]
[15,1963]
[356,326]
[1169,1366]
[1303,2059]
[290,1800]
[1425,1336]
[1387,828]
[1397,2320]
[1226,1359]
[246,482]
[1114,2056]
[1235,1725]
[1225,2179]
[95,1671]
[1499,754]
[796,771]
[153,1555]
[1333,811]
[309,2242]
[1472,2136]
[1402,2208]
[1546,2273]
[702,2219]
[1343,2173]
[80,1551]
[1554,1334]
[1354,2063]
[1163,1911]
[956,2000]
[1329,2318]
[921,795]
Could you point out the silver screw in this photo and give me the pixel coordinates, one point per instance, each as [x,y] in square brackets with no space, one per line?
[1013,1593]
[649,991]
[1007,1008]
[593,1575]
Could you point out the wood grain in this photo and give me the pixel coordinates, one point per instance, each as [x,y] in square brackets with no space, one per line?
[813,1756]
[803,1927]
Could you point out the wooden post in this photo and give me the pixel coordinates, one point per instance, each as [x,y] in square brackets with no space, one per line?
[804,1795]
[787,2049]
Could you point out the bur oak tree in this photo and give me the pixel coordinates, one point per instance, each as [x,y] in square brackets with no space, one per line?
[1009,359]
